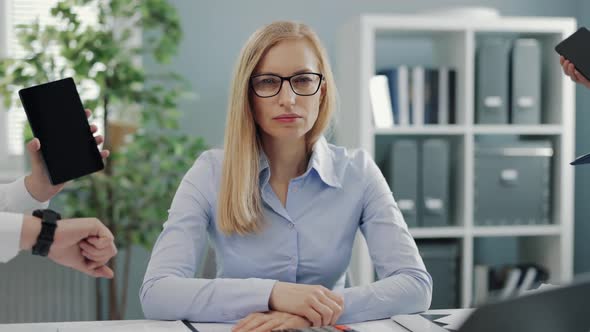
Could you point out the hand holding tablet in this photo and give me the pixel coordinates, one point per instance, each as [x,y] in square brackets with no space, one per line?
[58,120]
[575,61]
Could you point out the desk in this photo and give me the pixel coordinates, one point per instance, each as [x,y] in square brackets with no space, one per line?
[385,325]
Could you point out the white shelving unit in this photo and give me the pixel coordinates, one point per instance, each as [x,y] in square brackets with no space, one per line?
[368,43]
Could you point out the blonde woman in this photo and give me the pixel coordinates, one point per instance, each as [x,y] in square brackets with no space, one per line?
[281,207]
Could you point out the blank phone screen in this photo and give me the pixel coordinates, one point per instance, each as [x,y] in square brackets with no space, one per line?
[58,120]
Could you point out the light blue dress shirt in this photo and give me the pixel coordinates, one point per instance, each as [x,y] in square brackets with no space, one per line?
[307,241]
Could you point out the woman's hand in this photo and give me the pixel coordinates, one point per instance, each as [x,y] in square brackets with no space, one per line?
[37,183]
[268,321]
[570,70]
[316,303]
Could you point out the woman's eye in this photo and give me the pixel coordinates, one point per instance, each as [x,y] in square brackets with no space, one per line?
[303,80]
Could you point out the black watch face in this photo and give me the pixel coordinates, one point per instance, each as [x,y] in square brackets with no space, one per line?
[52,214]
[47,215]
[38,214]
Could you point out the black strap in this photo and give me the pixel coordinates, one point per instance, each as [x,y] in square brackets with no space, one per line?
[190,326]
[49,220]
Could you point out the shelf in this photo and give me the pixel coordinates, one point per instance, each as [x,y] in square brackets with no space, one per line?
[518,129]
[422,130]
[437,232]
[523,230]
[370,43]
[439,23]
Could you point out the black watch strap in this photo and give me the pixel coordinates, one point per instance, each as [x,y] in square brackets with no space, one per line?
[49,220]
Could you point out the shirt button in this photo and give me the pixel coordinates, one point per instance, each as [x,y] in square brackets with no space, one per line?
[294,189]
[291,225]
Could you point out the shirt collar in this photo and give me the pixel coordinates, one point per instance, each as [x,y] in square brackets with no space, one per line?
[322,161]
[325,164]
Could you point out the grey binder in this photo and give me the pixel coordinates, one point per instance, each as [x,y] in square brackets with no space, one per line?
[492,81]
[403,175]
[434,207]
[525,82]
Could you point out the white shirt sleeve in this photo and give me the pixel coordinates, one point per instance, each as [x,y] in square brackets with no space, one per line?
[14,197]
[14,201]
[10,229]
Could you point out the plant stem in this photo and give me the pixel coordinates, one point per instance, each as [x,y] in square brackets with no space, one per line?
[98,294]
[127,263]
[105,118]
[113,298]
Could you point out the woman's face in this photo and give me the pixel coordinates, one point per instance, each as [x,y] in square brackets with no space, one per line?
[287,115]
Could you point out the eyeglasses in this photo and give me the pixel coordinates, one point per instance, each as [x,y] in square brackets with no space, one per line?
[269,85]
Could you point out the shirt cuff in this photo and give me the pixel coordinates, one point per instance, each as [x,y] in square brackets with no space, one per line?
[19,199]
[254,297]
[10,230]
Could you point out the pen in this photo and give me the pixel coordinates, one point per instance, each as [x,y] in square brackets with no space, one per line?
[189,325]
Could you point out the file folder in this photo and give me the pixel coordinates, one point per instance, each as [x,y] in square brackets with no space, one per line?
[525,82]
[492,81]
[435,183]
[403,175]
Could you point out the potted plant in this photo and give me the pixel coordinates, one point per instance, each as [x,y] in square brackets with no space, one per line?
[138,110]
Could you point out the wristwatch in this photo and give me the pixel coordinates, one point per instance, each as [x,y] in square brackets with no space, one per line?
[49,220]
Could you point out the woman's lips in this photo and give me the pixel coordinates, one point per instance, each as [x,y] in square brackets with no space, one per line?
[287,118]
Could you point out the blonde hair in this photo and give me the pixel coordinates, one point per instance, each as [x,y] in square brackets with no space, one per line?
[239,207]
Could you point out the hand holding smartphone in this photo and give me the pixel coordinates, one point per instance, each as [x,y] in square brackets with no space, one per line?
[57,117]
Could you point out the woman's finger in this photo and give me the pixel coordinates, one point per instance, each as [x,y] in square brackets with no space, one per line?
[99,139]
[244,321]
[254,323]
[335,297]
[105,154]
[313,316]
[267,326]
[336,303]
[327,308]
[88,112]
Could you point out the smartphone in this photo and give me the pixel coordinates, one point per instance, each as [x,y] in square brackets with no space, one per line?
[57,118]
[576,48]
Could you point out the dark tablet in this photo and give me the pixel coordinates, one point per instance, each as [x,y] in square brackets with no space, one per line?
[576,48]
[581,160]
[57,118]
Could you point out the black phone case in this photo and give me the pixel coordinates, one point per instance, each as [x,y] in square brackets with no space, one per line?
[57,117]
[576,49]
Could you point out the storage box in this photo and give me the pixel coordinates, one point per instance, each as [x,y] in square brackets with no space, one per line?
[512,183]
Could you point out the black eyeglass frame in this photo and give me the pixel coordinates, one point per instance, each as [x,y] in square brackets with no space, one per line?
[287,78]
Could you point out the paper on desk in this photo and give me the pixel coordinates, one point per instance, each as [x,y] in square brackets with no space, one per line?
[385,325]
[209,327]
[152,326]
[542,288]
[456,319]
